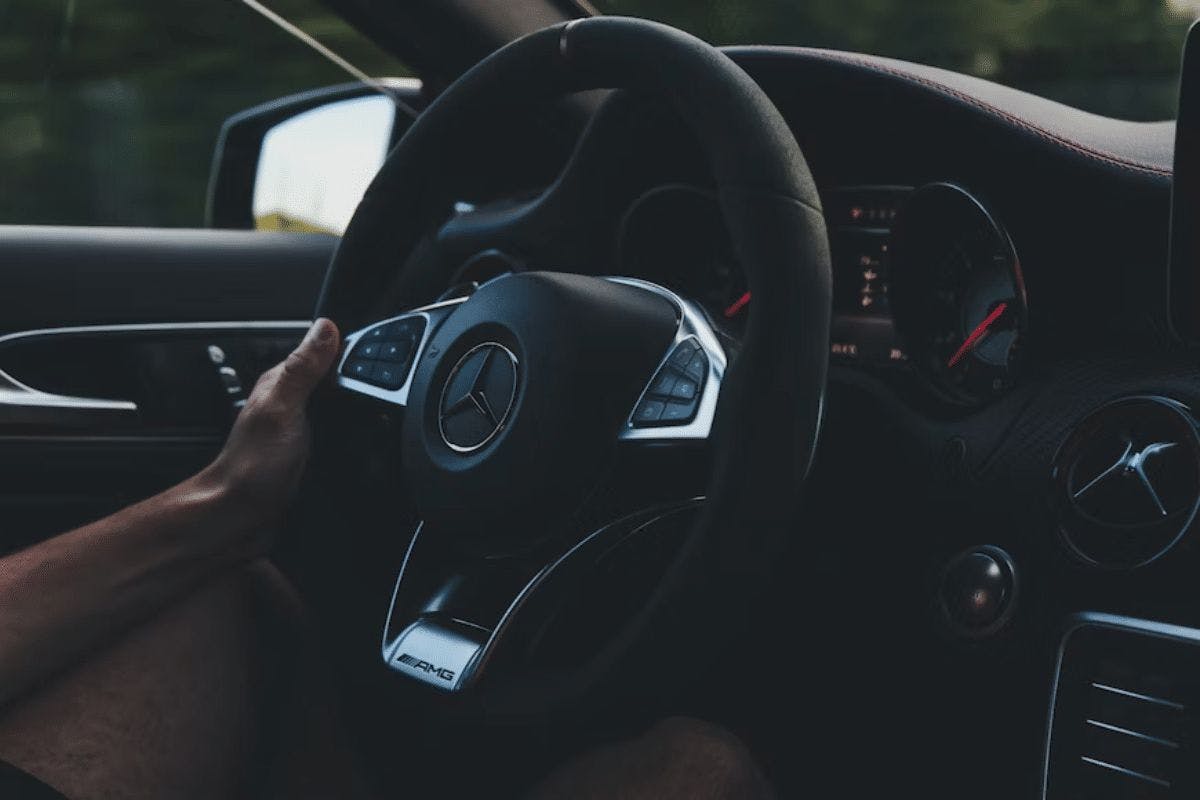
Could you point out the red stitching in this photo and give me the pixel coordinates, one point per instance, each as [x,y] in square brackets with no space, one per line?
[1098,155]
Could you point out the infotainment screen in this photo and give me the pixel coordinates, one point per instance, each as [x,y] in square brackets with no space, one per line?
[1185,198]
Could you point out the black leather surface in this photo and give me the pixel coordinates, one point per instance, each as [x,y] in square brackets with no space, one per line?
[1086,200]
[58,276]
[1137,146]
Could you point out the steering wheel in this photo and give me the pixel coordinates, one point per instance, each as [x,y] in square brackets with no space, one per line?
[525,402]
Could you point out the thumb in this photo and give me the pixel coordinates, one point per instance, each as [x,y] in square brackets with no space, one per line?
[310,361]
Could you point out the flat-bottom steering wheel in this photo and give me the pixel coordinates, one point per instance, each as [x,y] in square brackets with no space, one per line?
[520,399]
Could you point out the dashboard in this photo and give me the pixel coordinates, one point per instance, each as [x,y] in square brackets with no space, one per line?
[1002,337]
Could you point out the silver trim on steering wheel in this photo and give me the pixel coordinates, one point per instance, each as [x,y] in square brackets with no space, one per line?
[693,324]
[433,315]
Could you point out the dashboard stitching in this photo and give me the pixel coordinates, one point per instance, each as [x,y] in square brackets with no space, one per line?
[1084,150]
[1021,123]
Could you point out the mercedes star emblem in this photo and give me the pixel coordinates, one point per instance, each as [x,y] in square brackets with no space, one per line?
[478,397]
[1132,464]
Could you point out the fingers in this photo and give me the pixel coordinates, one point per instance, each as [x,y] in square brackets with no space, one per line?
[309,362]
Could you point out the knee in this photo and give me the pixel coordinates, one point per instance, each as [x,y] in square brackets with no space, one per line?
[272,597]
[689,732]
[251,608]
[709,754]
[256,591]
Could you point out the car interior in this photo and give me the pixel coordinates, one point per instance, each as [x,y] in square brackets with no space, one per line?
[842,400]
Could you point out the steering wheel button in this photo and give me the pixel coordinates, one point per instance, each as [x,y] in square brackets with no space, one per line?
[697,367]
[678,413]
[408,328]
[395,351]
[684,389]
[366,350]
[648,411]
[375,334]
[390,376]
[663,384]
[360,370]
[683,352]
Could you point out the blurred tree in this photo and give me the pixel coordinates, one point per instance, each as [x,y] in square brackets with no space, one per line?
[109,109]
[1115,57]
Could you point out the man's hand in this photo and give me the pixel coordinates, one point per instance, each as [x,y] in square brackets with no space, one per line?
[260,467]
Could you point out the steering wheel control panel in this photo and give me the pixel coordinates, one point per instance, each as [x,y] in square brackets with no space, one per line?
[674,394]
[383,355]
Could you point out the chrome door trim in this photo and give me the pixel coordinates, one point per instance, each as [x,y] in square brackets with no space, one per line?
[157,327]
[21,404]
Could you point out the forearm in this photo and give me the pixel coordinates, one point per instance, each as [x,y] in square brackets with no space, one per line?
[60,598]
[63,596]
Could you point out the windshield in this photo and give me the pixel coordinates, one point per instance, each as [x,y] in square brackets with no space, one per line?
[1114,57]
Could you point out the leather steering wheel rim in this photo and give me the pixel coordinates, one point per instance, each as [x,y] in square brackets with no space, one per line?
[769,412]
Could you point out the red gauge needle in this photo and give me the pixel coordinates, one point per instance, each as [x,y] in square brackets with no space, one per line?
[737,305]
[980,331]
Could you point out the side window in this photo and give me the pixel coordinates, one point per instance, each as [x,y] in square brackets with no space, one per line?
[110,110]
[314,167]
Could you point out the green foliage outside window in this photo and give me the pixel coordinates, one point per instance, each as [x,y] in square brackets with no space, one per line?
[109,109]
[1114,57]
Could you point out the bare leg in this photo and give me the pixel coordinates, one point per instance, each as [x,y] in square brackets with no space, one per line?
[176,707]
[676,759]
[221,696]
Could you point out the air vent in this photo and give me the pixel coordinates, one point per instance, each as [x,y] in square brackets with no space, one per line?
[1124,717]
[1126,483]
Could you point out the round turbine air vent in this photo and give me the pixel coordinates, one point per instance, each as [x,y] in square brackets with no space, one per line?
[1126,483]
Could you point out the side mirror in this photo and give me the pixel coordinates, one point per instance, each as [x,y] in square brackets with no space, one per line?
[302,163]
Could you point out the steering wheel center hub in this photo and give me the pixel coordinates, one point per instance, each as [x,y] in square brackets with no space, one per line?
[514,412]
[478,397]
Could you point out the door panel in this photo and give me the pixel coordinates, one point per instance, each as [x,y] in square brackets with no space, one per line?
[123,353]
[54,277]
[151,380]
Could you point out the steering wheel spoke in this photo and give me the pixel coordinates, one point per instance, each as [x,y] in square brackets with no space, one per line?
[454,617]
[379,360]
[679,401]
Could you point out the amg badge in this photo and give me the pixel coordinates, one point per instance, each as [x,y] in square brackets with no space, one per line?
[424,666]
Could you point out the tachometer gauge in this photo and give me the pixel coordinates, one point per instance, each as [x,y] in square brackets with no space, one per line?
[957,293]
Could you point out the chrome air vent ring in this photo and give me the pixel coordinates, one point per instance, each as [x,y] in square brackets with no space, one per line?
[1126,482]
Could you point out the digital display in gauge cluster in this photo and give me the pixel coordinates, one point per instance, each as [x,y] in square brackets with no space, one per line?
[929,278]
[860,221]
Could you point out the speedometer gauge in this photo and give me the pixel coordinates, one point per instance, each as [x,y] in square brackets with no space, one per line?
[957,293]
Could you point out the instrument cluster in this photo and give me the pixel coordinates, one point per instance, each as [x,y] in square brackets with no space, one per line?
[926,279]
